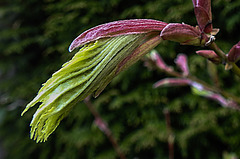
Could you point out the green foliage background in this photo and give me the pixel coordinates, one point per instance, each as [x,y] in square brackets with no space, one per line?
[34,38]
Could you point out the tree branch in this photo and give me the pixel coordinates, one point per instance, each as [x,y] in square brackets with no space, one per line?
[223,56]
[170,134]
[103,126]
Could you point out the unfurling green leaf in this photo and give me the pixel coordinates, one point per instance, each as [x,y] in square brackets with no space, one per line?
[89,71]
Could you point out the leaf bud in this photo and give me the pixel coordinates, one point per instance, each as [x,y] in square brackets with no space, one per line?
[184,34]
[234,53]
[210,55]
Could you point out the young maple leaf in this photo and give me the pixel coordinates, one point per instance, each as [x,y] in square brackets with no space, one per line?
[106,50]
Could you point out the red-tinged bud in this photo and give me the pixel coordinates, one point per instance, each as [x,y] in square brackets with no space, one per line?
[172,82]
[234,53]
[184,34]
[203,19]
[202,9]
[210,55]
[159,62]
[206,4]
[117,28]
[181,62]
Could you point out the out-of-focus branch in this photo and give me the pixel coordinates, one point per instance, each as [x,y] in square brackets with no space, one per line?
[170,133]
[235,69]
[213,92]
[103,126]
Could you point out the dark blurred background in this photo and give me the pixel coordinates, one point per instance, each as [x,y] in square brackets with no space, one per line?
[34,40]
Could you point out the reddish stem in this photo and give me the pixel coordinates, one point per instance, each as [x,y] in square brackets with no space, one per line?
[170,133]
[103,126]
